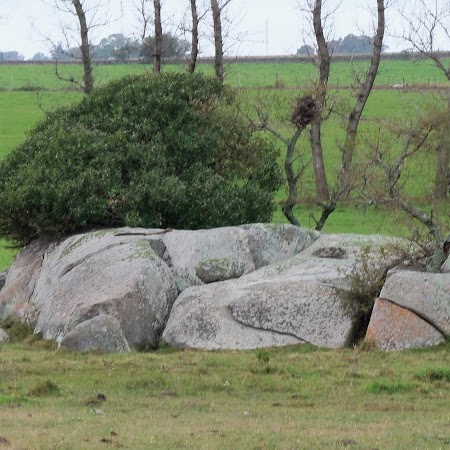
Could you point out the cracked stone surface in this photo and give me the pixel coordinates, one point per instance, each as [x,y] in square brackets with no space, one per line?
[426,294]
[392,327]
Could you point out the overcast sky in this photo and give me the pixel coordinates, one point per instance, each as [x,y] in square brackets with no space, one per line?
[275,27]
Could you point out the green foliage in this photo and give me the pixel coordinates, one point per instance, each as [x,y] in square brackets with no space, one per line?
[15,329]
[263,356]
[169,151]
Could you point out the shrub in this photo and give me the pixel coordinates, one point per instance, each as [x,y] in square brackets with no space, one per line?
[168,151]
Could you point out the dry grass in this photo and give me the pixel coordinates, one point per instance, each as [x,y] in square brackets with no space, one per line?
[295,397]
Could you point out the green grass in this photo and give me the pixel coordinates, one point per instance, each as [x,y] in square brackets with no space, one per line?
[295,397]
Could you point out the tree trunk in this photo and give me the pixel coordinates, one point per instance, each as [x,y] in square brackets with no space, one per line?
[88,79]
[442,180]
[194,41]
[158,38]
[366,88]
[292,179]
[218,41]
[322,189]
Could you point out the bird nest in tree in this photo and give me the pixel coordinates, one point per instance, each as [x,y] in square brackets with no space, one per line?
[304,112]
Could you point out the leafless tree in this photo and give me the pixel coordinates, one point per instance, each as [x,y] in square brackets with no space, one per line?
[426,23]
[81,9]
[158,38]
[387,184]
[217,8]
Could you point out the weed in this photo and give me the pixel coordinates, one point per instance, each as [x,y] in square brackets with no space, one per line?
[15,329]
[388,387]
[437,374]
[44,389]
[263,356]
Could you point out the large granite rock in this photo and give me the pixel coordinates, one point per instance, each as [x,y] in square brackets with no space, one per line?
[59,286]
[426,294]
[392,327]
[289,302]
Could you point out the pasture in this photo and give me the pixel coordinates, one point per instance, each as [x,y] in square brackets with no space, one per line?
[294,397]
[27,91]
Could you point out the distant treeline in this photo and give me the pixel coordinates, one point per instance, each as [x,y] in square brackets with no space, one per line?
[250,59]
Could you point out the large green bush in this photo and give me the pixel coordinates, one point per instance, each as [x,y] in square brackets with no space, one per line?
[169,151]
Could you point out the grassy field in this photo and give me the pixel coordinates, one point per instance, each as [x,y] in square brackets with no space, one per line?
[297,397]
[28,91]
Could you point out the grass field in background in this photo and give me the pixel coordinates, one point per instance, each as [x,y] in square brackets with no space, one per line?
[27,91]
[283,398]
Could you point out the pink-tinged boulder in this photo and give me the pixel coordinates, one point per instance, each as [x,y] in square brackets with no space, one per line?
[392,327]
[426,294]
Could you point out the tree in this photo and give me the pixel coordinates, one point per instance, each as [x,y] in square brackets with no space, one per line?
[153,151]
[158,38]
[40,57]
[81,9]
[386,183]
[352,44]
[426,22]
[11,56]
[116,46]
[312,110]
[194,37]
[171,47]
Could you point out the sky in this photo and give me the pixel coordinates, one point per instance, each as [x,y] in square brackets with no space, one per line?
[258,27]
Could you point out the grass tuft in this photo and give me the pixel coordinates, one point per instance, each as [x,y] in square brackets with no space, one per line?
[437,374]
[44,389]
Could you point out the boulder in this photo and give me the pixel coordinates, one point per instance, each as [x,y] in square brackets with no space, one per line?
[392,327]
[289,302]
[208,256]
[21,279]
[202,319]
[105,272]
[3,276]
[3,336]
[101,333]
[426,294]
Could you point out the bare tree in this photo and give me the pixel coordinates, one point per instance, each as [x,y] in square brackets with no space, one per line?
[388,183]
[158,38]
[81,9]
[365,89]
[425,21]
[323,192]
[84,47]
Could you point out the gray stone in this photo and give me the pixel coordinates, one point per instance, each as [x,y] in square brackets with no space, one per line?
[288,302]
[202,319]
[446,265]
[207,256]
[101,333]
[3,336]
[392,327]
[3,276]
[104,273]
[426,294]
[271,243]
